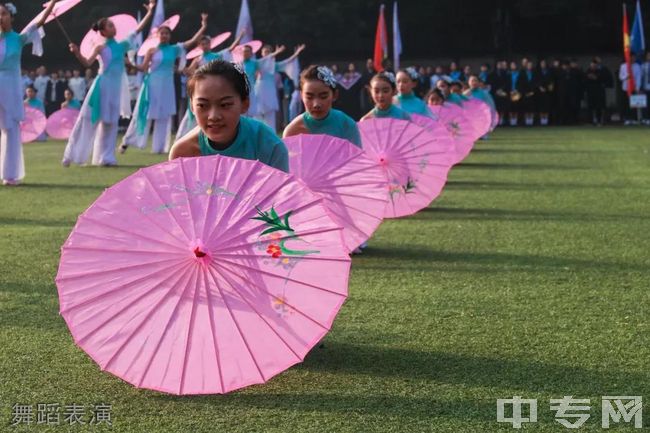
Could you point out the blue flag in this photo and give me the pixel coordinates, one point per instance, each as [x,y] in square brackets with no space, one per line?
[637,37]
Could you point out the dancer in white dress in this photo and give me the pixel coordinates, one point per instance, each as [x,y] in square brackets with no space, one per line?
[12,112]
[157,99]
[107,98]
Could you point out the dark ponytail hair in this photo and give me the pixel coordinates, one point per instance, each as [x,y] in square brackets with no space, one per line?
[100,25]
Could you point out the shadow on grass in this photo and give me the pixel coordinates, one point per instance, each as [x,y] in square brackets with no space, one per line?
[424,259]
[449,213]
[504,166]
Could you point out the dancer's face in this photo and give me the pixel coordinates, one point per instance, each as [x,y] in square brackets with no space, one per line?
[318,98]
[6,19]
[443,86]
[205,45]
[382,93]
[435,99]
[248,52]
[474,83]
[165,35]
[405,84]
[31,94]
[217,107]
[109,30]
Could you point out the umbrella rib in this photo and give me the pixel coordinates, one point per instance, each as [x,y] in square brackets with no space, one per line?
[119,350]
[232,316]
[162,336]
[275,297]
[104,249]
[116,289]
[247,214]
[173,217]
[345,194]
[305,233]
[190,327]
[368,165]
[208,208]
[252,230]
[213,327]
[285,278]
[139,235]
[108,271]
[181,164]
[231,282]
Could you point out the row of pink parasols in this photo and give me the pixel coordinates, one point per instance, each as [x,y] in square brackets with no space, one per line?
[206,275]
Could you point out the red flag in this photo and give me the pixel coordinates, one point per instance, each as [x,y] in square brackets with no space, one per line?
[628,54]
[381,42]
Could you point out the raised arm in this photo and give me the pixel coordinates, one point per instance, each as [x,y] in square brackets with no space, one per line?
[150,8]
[195,39]
[296,52]
[46,14]
[237,40]
[278,50]
[86,62]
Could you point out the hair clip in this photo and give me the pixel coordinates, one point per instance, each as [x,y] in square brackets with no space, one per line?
[389,75]
[412,73]
[326,75]
[11,8]
[242,72]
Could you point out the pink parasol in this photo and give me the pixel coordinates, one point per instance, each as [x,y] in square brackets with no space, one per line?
[60,123]
[59,9]
[238,52]
[353,185]
[479,115]
[33,125]
[124,24]
[452,117]
[154,40]
[416,170]
[202,275]
[214,43]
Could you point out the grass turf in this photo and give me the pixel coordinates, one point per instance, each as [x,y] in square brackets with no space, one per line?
[529,276]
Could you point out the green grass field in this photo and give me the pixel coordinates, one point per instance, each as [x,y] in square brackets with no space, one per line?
[529,276]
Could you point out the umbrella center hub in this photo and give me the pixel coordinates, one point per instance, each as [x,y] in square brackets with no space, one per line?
[201,252]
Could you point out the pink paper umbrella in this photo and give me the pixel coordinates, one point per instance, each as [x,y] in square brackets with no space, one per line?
[60,123]
[59,9]
[353,185]
[415,169]
[479,114]
[452,117]
[33,125]
[124,24]
[238,52]
[214,43]
[202,275]
[154,40]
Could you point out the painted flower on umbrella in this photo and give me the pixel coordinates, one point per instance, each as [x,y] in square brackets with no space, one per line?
[454,128]
[274,250]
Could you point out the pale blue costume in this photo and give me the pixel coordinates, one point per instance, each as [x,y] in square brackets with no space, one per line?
[336,123]
[265,87]
[12,165]
[254,141]
[107,99]
[189,120]
[157,100]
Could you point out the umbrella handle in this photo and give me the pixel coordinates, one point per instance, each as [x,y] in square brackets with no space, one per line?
[62,29]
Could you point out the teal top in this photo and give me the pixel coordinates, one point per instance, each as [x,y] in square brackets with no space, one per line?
[250,67]
[412,104]
[210,56]
[74,104]
[254,141]
[35,103]
[393,112]
[336,123]
[455,98]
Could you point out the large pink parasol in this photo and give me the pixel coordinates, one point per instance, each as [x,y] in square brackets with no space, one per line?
[479,115]
[452,117]
[214,43]
[202,275]
[60,123]
[415,168]
[59,9]
[33,125]
[154,40]
[124,24]
[238,52]
[353,185]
